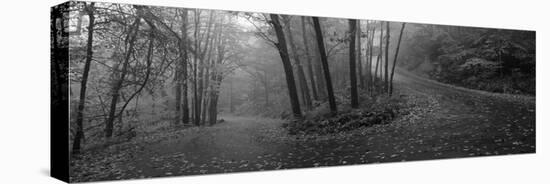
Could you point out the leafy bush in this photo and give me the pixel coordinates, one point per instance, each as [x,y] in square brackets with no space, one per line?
[318,121]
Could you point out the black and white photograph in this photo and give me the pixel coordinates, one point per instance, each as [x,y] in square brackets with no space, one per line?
[274,92]
[159,91]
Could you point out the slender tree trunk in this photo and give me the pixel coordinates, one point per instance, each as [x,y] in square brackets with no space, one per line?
[300,69]
[386,81]
[149,60]
[321,86]
[178,79]
[205,94]
[214,93]
[309,60]
[184,60]
[213,107]
[371,47]
[82,100]
[318,69]
[379,57]
[352,68]
[368,64]
[196,110]
[202,67]
[216,79]
[204,87]
[205,103]
[266,89]
[199,91]
[359,60]
[289,74]
[324,62]
[115,91]
[212,102]
[395,57]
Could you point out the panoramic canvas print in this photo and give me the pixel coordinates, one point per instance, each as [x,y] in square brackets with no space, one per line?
[167,91]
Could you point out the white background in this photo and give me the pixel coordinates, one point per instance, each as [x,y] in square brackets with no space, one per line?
[24,91]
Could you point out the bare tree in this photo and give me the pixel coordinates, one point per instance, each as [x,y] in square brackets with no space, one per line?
[358,35]
[216,78]
[209,61]
[196,108]
[368,52]
[324,62]
[119,76]
[202,67]
[82,100]
[309,60]
[184,61]
[283,52]
[379,56]
[181,77]
[395,57]
[386,58]
[299,68]
[352,68]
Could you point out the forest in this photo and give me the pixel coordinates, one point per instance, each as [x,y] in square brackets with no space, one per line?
[160,91]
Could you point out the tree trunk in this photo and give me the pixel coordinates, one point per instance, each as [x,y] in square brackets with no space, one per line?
[321,86]
[183,63]
[205,92]
[370,78]
[196,107]
[216,79]
[213,107]
[82,100]
[266,89]
[382,56]
[115,91]
[386,81]
[379,57]
[178,79]
[309,60]
[202,68]
[324,62]
[359,60]
[300,69]
[368,64]
[199,81]
[352,68]
[395,57]
[289,74]
[205,103]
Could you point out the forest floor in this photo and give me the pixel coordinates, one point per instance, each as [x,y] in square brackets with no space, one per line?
[448,122]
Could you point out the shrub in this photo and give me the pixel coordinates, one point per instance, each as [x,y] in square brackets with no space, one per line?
[319,121]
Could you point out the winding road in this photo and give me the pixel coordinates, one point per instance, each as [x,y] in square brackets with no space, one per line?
[458,123]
